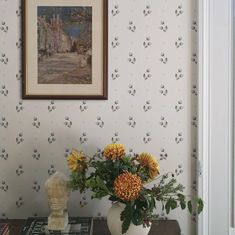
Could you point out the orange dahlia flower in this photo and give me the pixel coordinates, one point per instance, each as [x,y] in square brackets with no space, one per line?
[114,151]
[76,161]
[147,160]
[127,186]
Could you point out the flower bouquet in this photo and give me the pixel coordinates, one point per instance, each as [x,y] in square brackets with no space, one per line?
[125,179]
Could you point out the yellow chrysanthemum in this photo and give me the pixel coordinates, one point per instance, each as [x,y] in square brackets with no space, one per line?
[76,161]
[127,186]
[147,160]
[114,151]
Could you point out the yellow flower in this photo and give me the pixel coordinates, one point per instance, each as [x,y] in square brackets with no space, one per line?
[114,151]
[147,160]
[127,186]
[76,161]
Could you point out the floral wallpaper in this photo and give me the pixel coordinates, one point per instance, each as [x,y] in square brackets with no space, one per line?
[152,107]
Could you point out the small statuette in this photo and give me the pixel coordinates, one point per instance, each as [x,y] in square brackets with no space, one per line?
[58,194]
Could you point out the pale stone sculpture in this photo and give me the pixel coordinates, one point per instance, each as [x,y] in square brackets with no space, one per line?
[58,193]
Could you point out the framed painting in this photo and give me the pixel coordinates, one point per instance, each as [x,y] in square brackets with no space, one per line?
[65,49]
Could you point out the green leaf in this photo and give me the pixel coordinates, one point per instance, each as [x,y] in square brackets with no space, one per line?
[168,206]
[113,198]
[152,204]
[183,205]
[173,204]
[116,164]
[190,207]
[126,217]
[101,184]
[77,181]
[137,217]
[181,196]
[125,225]
[90,183]
[200,205]
[182,201]
[126,160]
[99,194]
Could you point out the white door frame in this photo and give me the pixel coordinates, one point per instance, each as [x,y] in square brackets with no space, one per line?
[215,116]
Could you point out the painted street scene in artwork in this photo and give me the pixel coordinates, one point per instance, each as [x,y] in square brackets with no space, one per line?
[64,45]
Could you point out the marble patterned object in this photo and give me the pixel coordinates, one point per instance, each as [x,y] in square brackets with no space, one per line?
[58,194]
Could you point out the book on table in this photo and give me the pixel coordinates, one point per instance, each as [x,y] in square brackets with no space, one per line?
[4,229]
[76,226]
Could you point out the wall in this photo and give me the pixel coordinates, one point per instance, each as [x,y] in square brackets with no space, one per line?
[151,106]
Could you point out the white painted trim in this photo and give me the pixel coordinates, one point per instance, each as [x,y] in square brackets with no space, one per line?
[232,231]
[215,116]
[203,113]
[231,121]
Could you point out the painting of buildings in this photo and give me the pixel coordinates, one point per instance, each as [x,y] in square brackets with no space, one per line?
[64,38]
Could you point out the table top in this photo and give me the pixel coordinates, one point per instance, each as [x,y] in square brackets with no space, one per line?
[164,227]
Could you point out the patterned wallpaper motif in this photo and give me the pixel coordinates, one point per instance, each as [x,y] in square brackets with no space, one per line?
[152,107]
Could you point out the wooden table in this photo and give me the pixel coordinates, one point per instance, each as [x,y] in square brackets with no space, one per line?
[165,227]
